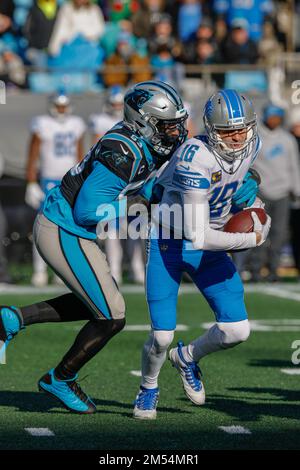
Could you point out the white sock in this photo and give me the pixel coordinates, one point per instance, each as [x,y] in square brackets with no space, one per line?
[154,355]
[219,336]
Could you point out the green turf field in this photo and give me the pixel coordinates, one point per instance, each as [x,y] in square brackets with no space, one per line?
[245,386]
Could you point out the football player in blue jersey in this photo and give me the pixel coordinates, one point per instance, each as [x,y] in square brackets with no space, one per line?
[122,162]
[207,178]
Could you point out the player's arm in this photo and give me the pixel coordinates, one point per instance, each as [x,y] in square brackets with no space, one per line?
[197,227]
[194,190]
[97,199]
[34,194]
[110,177]
[33,158]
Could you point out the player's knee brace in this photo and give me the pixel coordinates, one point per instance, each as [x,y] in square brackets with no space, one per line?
[162,339]
[234,333]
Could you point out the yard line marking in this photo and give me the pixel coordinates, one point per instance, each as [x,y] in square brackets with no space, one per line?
[235,429]
[295,371]
[280,290]
[136,373]
[267,325]
[40,432]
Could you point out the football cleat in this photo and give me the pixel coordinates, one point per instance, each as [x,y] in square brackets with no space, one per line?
[68,393]
[10,324]
[190,375]
[145,403]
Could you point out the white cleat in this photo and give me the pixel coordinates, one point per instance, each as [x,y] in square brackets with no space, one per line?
[145,403]
[39,279]
[190,375]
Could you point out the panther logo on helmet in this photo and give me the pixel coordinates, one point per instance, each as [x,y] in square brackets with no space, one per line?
[154,110]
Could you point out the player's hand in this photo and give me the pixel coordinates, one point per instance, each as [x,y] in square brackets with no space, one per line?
[261,230]
[246,194]
[34,195]
[258,204]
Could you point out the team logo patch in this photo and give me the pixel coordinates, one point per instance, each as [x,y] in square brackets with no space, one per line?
[216,177]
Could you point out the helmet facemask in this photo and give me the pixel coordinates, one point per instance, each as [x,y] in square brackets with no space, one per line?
[167,135]
[229,149]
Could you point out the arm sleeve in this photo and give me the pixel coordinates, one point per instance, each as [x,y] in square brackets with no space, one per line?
[196,226]
[97,196]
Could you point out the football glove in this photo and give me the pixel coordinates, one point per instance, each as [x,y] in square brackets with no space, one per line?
[34,195]
[246,194]
[263,229]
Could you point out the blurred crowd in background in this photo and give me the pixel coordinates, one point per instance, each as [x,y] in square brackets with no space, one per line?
[155,38]
[101,47]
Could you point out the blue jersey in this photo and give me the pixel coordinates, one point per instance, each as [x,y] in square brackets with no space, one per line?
[253,11]
[119,164]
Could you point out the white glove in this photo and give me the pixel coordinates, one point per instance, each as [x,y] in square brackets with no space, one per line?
[34,195]
[263,229]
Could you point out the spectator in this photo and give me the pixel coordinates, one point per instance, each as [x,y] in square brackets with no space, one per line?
[163,36]
[140,63]
[205,31]
[239,48]
[278,166]
[116,66]
[269,48]
[204,34]
[295,210]
[38,30]
[76,18]
[255,11]
[164,65]
[6,15]
[189,19]
[113,31]
[146,17]
[12,69]
[121,9]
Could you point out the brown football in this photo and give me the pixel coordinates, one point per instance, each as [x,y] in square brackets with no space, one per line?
[242,222]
